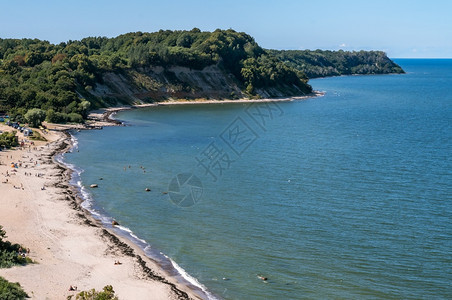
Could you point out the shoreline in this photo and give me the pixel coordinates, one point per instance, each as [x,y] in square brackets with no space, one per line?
[124,237]
[103,117]
[127,246]
[69,246]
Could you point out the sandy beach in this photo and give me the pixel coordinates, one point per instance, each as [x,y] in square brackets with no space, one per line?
[40,211]
[102,117]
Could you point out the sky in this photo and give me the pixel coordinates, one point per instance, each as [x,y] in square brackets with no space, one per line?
[401,28]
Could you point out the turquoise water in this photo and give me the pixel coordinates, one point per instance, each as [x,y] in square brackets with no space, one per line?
[342,196]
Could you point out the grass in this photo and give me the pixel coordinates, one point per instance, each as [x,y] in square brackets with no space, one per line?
[37,136]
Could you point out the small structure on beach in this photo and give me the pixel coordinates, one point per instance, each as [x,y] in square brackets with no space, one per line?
[28,132]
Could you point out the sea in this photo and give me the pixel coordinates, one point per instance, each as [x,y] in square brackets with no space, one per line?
[343,196]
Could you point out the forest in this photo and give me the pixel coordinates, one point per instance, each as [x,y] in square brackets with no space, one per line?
[323,63]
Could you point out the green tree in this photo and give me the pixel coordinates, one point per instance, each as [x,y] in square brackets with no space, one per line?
[50,115]
[10,67]
[35,116]
[184,40]
[34,58]
[83,108]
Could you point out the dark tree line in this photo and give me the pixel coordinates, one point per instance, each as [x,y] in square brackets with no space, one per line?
[322,63]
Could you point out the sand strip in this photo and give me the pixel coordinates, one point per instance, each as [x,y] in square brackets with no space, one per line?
[102,117]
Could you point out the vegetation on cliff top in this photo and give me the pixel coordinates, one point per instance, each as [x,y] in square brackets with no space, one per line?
[322,63]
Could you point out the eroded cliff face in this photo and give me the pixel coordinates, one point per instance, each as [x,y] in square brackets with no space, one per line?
[156,84]
[151,84]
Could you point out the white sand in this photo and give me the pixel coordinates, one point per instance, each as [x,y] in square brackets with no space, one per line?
[101,117]
[66,250]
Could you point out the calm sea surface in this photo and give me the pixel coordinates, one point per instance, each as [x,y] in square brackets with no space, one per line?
[343,196]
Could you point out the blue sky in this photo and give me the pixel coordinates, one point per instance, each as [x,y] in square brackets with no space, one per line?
[402,28]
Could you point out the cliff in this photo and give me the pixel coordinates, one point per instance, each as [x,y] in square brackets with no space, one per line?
[153,84]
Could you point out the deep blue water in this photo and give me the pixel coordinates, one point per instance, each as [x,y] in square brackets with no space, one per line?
[343,196]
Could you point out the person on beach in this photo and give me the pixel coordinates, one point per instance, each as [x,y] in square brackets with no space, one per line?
[72,288]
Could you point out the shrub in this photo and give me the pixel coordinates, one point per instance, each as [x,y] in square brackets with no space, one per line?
[7,259]
[9,253]
[37,137]
[107,294]
[11,291]
[8,140]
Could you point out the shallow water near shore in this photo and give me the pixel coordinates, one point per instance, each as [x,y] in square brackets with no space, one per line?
[342,196]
